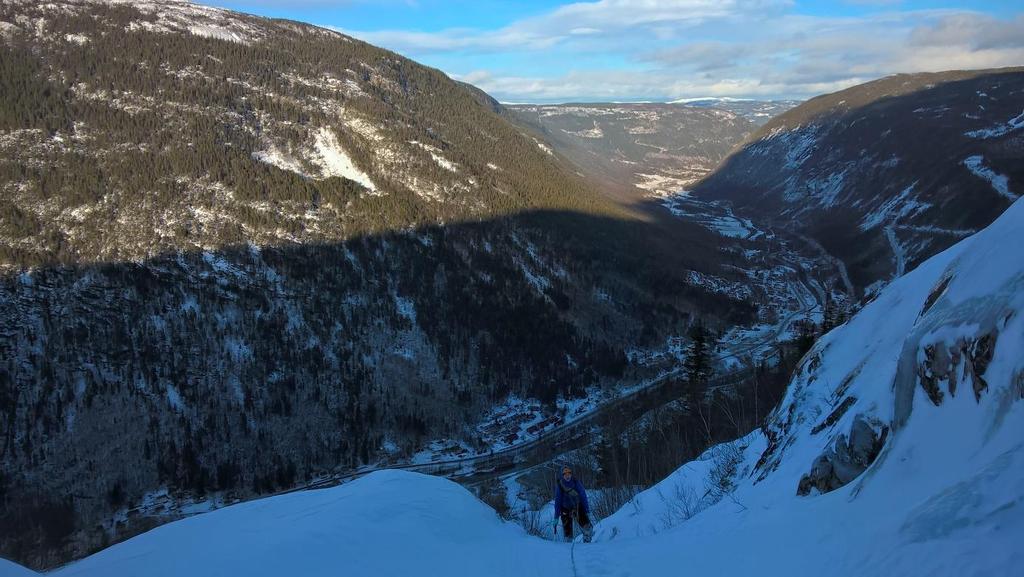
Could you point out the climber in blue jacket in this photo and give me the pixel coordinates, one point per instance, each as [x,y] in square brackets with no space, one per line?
[571,502]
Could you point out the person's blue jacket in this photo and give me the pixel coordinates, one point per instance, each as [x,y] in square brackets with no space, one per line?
[570,494]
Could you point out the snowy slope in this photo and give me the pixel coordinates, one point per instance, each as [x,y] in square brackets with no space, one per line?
[942,493]
[8,569]
[387,523]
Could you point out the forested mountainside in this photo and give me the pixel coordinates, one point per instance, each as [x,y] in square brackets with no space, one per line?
[239,252]
[120,117]
[637,149]
[887,173]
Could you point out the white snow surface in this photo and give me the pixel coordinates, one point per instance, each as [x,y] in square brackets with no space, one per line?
[325,153]
[8,569]
[387,523]
[895,209]
[999,182]
[1015,123]
[334,161]
[435,154]
[944,497]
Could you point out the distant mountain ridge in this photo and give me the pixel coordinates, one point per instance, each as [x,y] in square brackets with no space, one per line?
[756,111]
[657,148]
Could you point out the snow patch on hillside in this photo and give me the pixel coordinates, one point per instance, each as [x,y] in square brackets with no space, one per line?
[217,32]
[999,182]
[364,128]
[334,161]
[594,132]
[186,17]
[544,147]
[825,189]
[174,398]
[1015,123]
[895,209]
[435,155]
[276,157]
[799,143]
[405,307]
[325,154]
[899,253]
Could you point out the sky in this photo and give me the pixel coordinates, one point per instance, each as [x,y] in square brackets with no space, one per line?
[661,50]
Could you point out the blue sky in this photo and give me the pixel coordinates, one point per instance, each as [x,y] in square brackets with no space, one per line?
[627,50]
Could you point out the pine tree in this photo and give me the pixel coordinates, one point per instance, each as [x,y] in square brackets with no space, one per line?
[828,314]
[805,337]
[697,366]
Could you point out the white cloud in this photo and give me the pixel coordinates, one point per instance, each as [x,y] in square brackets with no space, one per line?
[625,85]
[612,18]
[971,31]
[649,49]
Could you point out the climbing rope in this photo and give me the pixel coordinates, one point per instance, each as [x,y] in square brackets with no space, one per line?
[572,548]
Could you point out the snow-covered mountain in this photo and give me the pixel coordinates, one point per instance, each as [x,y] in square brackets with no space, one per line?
[898,450]
[887,173]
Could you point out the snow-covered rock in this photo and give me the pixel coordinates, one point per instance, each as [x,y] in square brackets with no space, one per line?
[387,523]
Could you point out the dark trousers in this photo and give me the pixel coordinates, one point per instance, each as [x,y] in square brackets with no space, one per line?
[567,516]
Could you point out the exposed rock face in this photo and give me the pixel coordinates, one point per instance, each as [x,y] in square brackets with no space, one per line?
[965,359]
[847,459]
[942,365]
